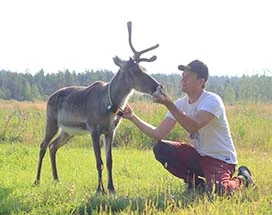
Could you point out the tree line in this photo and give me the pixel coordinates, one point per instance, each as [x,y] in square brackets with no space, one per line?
[28,87]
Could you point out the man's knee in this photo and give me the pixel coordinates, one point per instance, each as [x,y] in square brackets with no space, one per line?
[161,151]
[157,150]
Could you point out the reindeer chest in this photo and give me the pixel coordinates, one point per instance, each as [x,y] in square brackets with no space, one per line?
[103,125]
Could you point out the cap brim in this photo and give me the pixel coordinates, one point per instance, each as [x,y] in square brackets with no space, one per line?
[182,67]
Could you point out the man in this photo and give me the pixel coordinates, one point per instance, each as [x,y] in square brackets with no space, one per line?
[210,153]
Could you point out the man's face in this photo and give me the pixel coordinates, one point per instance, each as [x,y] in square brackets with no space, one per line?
[190,82]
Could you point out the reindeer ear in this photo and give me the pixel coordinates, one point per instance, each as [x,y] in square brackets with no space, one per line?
[117,61]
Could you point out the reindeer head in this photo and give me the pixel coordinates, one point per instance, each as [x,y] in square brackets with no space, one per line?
[135,74]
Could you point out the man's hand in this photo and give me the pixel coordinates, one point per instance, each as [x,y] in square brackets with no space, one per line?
[128,112]
[160,97]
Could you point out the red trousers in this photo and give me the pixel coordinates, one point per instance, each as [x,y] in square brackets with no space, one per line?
[183,161]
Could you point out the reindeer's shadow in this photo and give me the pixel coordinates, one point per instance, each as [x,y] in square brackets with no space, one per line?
[157,201]
[124,203]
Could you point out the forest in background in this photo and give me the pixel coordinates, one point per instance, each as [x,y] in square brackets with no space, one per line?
[28,87]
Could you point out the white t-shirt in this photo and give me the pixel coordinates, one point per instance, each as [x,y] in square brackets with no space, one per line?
[214,139]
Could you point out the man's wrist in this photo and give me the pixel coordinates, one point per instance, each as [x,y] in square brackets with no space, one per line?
[132,117]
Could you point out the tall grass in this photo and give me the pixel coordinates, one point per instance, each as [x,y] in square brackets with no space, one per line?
[143,186]
[250,125]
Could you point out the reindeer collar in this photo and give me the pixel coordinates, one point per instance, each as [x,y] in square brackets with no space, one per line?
[113,108]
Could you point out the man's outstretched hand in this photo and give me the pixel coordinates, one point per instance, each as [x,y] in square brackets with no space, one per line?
[159,96]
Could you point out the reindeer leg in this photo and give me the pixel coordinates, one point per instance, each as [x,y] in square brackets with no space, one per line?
[43,148]
[54,146]
[99,162]
[108,152]
[51,130]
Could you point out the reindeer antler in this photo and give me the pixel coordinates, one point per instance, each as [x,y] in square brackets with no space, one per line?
[137,54]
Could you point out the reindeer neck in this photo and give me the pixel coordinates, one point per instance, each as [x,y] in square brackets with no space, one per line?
[118,91]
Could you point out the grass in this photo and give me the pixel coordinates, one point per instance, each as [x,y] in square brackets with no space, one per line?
[143,186]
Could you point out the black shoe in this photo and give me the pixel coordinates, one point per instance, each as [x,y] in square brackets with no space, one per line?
[245,172]
[199,184]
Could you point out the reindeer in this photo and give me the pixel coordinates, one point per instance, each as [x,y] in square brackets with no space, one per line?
[94,110]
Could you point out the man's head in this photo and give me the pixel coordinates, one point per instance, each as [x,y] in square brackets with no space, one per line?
[197,67]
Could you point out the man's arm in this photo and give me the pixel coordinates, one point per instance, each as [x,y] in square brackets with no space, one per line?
[202,118]
[156,133]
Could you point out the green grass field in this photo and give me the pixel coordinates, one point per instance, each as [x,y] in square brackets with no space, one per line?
[142,185]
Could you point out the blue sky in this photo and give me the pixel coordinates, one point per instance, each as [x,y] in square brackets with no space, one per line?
[231,37]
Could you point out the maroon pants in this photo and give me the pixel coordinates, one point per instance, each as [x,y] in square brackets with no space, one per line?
[183,161]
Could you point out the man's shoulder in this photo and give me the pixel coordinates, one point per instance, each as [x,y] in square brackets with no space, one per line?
[182,99]
[211,95]
[212,103]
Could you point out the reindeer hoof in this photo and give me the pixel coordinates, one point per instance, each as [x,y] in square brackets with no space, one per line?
[112,191]
[56,181]
[36,183]
[100,191]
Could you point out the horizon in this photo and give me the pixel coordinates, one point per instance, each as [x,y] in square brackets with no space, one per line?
[266,74]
